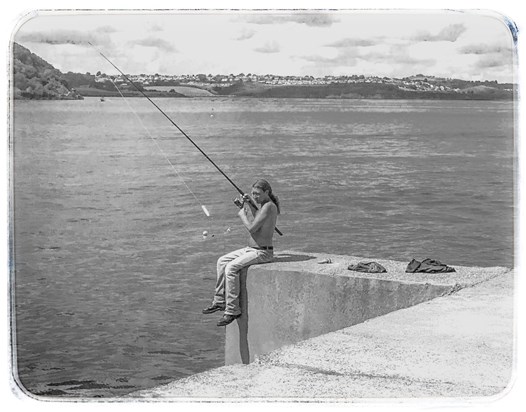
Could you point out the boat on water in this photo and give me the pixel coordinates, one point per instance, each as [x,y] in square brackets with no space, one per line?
[102,99]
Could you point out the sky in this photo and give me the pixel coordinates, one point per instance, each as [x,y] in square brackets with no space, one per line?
[470,45]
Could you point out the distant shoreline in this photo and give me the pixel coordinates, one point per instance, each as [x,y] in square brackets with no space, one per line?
[287,92]
[333,91]
[297,94]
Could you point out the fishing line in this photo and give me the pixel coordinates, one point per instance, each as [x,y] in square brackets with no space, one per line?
[176,126]
[207,235]
[203,207]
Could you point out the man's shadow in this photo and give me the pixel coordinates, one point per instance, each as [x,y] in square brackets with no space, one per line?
[289,257]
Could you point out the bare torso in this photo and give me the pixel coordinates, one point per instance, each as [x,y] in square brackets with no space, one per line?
[265,218]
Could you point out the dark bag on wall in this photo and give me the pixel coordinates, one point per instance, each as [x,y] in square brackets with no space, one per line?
[369,267]
[428,266]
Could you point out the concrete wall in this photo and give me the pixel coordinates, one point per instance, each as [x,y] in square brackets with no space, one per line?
[455,349]
[286,303]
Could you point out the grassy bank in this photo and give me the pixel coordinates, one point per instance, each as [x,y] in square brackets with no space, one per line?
[93,92]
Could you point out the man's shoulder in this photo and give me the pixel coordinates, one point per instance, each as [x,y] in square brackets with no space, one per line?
[270,206]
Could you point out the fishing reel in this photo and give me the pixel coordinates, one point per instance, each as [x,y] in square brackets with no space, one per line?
[244,199]
[238,202]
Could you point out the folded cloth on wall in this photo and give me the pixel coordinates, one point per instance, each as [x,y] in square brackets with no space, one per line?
[428,266]
[368,267]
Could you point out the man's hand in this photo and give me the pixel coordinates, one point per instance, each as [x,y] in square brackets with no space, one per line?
[241,202]
[238,202]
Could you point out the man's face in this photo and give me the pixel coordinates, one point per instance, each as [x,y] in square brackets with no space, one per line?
[259,195]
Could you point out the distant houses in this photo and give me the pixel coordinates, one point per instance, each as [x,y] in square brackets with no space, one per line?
[418,82]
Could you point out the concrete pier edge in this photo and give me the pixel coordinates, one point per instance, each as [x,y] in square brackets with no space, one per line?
[427,336]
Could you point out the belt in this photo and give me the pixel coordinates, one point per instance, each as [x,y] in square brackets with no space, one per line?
[263,247]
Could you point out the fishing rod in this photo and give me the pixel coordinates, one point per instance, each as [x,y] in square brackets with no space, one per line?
[205,210]
[177,127]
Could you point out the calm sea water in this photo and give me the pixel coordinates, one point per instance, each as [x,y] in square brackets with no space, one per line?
[111,269]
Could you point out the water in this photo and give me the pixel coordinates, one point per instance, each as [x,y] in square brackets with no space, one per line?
[111,267]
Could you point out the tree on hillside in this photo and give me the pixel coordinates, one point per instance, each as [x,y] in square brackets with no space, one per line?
[34,78]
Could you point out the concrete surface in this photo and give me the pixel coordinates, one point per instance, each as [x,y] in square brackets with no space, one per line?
[456,346]
[296,298]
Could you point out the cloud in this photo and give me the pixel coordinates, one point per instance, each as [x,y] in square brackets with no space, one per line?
[353,42]
[345,57]
[106,29]
[397,55]
[155,28]
[62,37]
[490,55]
[246,34]
[154,42]
[484,48]
[449,33]
[269,47]
[491,61]
[316,20]
[309,19]
[401,59]
[348,52]
[340,60]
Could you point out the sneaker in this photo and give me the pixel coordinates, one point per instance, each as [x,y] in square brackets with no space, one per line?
[213,308]
[227,319]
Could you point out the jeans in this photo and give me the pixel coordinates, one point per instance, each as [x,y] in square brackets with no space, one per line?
[229,268]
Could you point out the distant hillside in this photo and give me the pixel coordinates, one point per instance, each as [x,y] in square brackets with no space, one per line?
[34,78]
[187,91]
[481,90]
[361,91]
[100,84]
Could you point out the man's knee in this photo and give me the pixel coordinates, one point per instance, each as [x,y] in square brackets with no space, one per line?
[233,270]
[223,260]
[230,270]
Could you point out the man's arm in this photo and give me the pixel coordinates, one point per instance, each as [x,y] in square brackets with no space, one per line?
[259,219]
[247,200]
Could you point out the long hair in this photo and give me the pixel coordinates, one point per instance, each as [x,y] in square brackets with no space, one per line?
[265,186]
